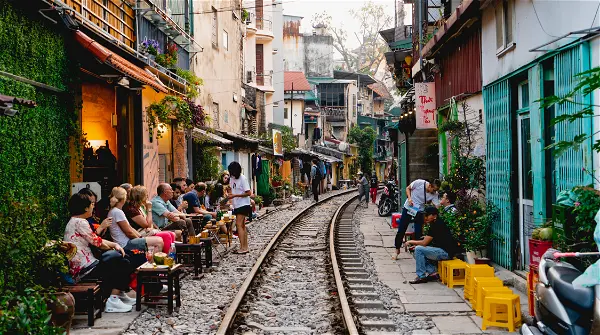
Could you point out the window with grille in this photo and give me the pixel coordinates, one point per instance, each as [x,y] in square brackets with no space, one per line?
[215,115]
[285,113]
[332,95]
[504,25]
[215,28]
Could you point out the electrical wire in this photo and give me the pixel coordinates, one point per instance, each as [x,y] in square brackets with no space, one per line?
[595,15]
[539,21]
[230,9]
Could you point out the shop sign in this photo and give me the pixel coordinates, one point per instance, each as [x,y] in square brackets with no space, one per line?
[425,106]
[277,143]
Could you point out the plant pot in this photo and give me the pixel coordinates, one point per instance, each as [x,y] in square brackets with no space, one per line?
[483,260]
[62,308]
[472,255]
[276,183]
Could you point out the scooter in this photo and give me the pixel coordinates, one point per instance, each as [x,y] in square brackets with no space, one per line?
[560,306]
[388,202]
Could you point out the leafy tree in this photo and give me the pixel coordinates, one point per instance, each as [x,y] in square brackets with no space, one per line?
[364,138]
[589,81]
[287,138]
[206,163]
[367,58]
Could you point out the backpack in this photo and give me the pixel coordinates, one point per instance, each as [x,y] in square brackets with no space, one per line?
[318,175]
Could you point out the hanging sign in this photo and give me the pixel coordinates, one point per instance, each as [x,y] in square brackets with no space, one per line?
[425,106]
[277,143]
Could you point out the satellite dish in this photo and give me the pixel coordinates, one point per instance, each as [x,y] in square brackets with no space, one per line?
[343,146]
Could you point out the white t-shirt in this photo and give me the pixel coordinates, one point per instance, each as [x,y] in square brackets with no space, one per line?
[239,186]
[418,195]
[117,234]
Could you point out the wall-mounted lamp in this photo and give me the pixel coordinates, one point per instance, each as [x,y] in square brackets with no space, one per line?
[123,82]
[162,127]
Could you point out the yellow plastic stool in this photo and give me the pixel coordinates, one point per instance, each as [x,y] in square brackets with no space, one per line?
[442,268]
[455,280]
[483,291]
[486,282]
[496,306]
[475,270]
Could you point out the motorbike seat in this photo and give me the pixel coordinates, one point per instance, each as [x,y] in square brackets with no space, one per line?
[577,297]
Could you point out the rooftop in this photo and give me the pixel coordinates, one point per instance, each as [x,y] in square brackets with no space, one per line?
[295,79]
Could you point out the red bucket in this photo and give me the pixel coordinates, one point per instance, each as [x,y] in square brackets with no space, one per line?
[396,219]
[537,248]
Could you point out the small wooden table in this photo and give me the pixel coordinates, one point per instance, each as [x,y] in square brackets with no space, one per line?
[190,255]
[147,274]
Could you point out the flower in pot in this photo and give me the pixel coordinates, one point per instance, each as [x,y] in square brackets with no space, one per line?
[150,47]
[276,181]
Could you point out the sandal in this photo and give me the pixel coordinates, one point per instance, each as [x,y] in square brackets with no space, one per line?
[237,252]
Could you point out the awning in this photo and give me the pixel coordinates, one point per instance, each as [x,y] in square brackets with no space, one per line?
[325,158]
[119,63]
[239,137]
[203,135]
[266,150]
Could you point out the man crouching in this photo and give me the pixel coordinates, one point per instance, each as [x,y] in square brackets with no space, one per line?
[437,245]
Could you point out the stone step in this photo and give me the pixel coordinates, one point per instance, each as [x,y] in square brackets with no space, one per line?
[368,303]
[373,313]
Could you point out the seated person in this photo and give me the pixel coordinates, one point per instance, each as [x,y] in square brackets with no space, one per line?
[197,200]
[177,200]
[122,232]
[100,229]
[190,186]
[166,216]
[439,244]
[114,271]
[447,203]
[139,213]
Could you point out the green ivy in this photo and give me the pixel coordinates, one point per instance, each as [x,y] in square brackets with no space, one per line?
[194,82]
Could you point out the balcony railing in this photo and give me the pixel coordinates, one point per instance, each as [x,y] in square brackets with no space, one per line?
[264,24]
[115,17]
[264,79]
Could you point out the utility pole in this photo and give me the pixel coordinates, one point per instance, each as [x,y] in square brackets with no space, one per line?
[292,110]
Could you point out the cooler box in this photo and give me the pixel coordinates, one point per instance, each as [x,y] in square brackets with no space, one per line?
[396,219]
[537,248]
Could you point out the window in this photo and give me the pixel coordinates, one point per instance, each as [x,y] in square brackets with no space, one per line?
[215,115]
[215,28]
[523,94]
[226,117]
[504,25]
[285,113]
[353,105]
[332,95]
[225,40]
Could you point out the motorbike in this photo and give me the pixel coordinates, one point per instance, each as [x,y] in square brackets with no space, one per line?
[560,306]
[388,202]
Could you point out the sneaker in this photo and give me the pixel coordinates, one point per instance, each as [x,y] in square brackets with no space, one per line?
[115,305]
[126,299]
[418,280]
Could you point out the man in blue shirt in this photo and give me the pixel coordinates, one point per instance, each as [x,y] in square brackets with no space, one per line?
[166,216]
[196,199]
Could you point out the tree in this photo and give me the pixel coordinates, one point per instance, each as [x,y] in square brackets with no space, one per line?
[364,139]
[368,56]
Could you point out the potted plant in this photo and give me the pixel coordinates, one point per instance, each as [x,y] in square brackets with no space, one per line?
[169,58]
[150,48]
[259,201]
[276,181]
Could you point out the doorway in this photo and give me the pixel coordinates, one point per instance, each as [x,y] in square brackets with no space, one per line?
[525,195]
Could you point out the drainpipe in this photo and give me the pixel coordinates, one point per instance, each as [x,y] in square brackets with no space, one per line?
[421,38]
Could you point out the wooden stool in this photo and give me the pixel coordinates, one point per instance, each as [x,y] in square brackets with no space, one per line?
[502,310]
[88,300]
[475,270]
[483,291]
[486,282]
[452,280]
[147,274]
[442,268]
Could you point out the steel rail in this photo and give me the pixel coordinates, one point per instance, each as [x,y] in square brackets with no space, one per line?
[229,317]
[347,313]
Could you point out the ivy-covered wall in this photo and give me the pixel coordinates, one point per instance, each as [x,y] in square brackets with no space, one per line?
[34,144]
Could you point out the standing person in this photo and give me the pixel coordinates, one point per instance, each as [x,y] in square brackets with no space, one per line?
[419,193]
[439,244]
[363,183]
[240,198]
[315,177]
[374,186]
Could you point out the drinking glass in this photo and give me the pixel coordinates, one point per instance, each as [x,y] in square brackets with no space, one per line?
[150,256]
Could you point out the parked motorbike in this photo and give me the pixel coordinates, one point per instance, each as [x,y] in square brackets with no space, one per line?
[560,306]
[388,202]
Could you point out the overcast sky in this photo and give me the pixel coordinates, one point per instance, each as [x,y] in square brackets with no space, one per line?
[339,11]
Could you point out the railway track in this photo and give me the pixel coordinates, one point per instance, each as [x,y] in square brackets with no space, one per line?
[309,280]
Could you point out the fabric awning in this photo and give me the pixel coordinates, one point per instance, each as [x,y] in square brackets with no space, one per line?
[203,135]
[119,63]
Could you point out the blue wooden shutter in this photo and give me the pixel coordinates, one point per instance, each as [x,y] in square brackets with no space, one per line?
[568,168]
[496,101]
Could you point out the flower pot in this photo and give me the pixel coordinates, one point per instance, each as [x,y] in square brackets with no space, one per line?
[472,255]
[276,183]
[62,308]
[483,260]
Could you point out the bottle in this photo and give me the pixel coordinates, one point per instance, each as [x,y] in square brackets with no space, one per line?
[172,251]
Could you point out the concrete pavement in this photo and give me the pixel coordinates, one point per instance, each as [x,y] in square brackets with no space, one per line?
[444,306]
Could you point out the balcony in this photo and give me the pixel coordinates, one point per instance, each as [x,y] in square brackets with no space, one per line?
[114,17]
[171,19]
[264,79]
[264,26]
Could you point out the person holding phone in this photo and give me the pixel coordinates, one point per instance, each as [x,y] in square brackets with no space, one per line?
[418,194]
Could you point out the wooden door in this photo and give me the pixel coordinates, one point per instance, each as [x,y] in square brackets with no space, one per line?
[260,80]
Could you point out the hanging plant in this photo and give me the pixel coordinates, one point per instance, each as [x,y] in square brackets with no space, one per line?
[160,112]
[199,118]
[194,82]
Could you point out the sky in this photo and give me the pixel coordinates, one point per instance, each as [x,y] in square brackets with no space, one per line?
[339,11]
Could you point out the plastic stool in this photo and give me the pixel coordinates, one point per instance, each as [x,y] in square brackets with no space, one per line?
[475,270]
[486,282]
[493,315]
[442,266]
[455,280]
[483,291]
